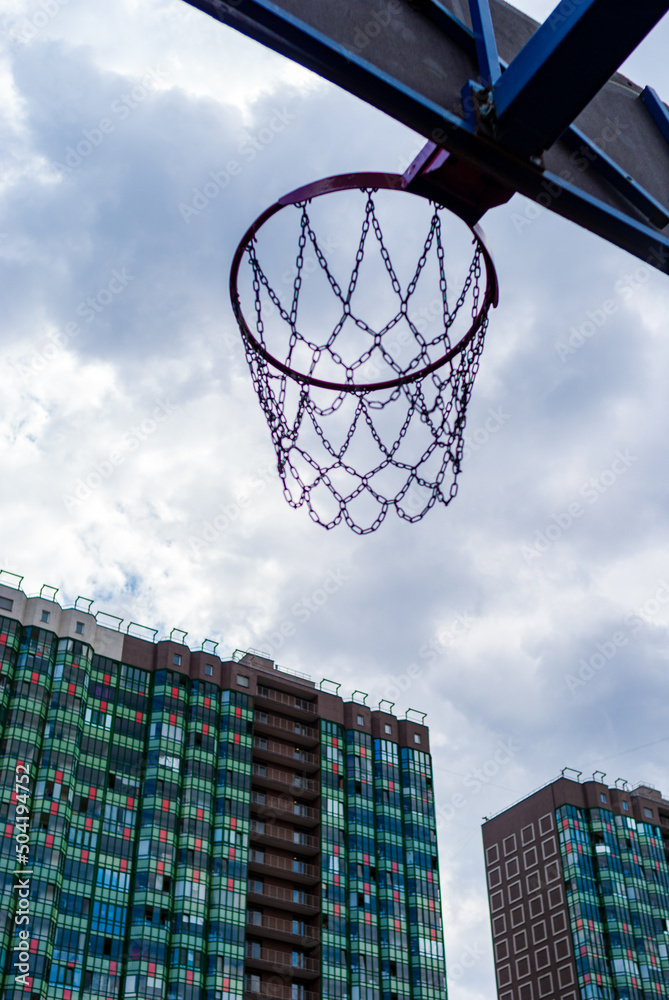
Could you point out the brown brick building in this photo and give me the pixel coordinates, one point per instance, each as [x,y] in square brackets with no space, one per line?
[578,886]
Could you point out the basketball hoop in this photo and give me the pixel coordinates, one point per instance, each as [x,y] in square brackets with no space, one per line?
[354,362]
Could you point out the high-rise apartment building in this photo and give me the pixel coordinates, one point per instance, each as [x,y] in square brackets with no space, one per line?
[195,828]
[578,883]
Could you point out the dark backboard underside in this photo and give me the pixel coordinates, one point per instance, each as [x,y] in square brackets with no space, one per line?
[402,61]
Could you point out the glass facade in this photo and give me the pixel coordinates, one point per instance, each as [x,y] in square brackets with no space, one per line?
[617,888]
[188,842]
[380,871]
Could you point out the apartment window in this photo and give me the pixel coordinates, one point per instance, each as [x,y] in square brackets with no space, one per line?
[79,628]
[254,984]
[361,721]
[242,680]
[625,806]
[208,669]
[648,813]
[416,738]
[602,796]
[388,729]
[176,659]
[254,949]
[45,616]
[255,916]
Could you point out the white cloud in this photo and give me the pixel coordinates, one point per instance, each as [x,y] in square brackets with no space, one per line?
[189,528]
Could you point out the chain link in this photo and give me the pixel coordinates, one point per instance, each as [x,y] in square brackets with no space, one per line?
[435,406]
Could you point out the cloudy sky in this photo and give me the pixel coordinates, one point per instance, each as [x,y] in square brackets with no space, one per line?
[531,614]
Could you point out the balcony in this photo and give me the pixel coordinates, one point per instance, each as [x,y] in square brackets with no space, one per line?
[303,734]
[269,749]
[299,785]
[295,963]
[297,707]
[296,870]
[295,900]
[276,991]
[293,931]
[269,807]
[267,833]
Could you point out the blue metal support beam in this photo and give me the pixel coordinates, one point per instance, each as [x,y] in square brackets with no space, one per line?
[262,20]
[486,45]
[617,177]
[565,63]
[657,109]
[567,200]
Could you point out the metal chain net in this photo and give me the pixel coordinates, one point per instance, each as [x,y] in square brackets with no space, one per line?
[353,454]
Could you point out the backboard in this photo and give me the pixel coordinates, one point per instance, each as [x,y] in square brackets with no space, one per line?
[506,104]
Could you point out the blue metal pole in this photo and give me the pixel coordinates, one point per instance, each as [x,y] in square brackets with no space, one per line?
[566,62]
[657,109]
[486,45]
